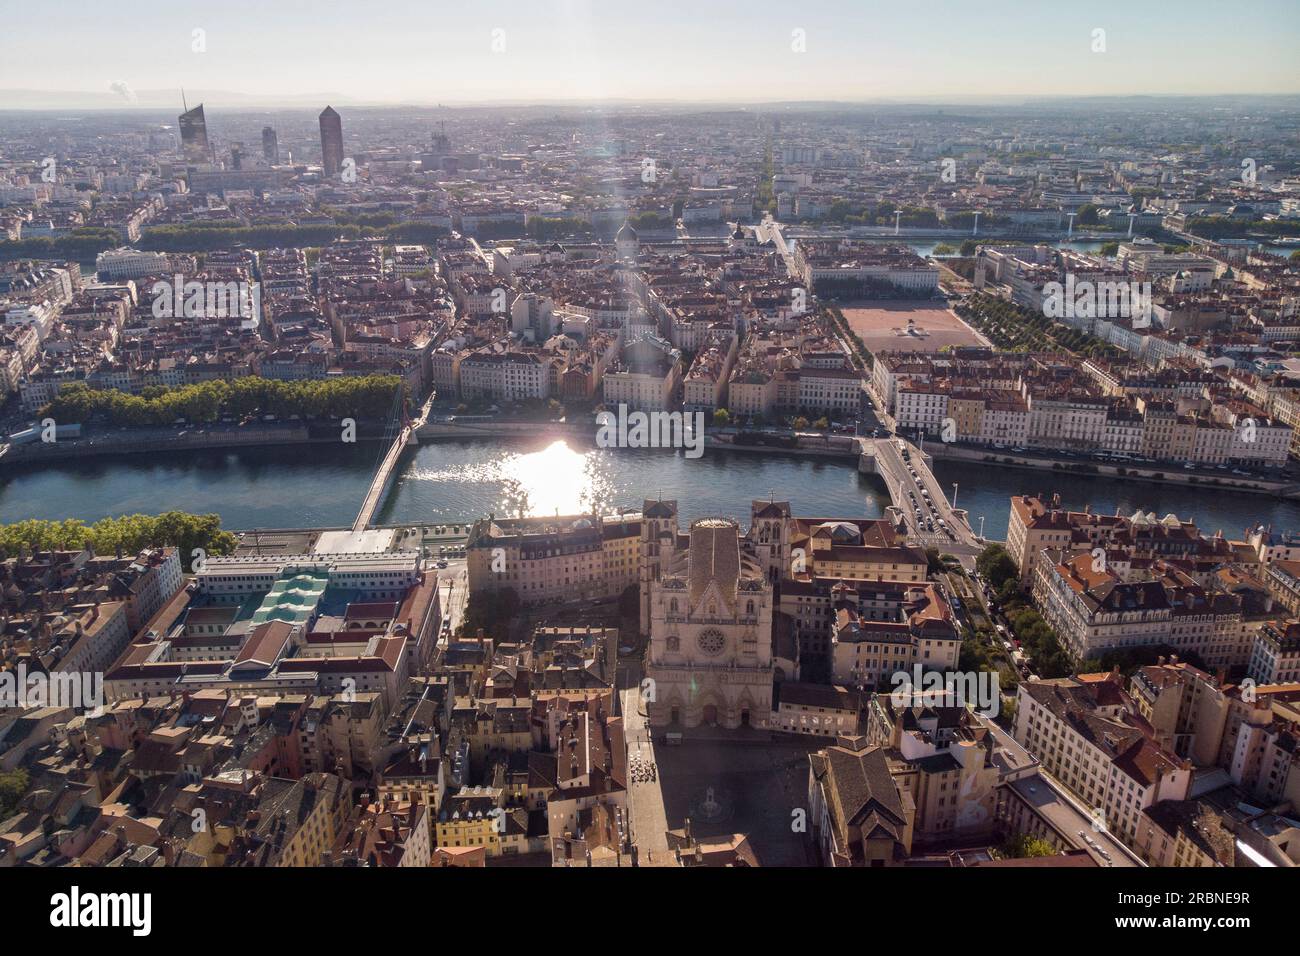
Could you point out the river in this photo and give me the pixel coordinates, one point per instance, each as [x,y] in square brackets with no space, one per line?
[318,485]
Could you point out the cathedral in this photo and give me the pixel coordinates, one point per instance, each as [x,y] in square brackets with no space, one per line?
[707,606]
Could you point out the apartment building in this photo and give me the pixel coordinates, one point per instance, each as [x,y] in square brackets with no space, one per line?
[824,710]
[549,560]
[867,654]
[648,378]
[810,605]
[504,376]
[297,823]
[830,391]
[391,833]
[850,550]
[1282,577]
[834,262]
[751,389]
[1095,605]
[1082,731]
[471,817]
[1275,653]
[705,387]
[127,263]
[1184,833]
[1039,522]
[1027,400]
[953,763]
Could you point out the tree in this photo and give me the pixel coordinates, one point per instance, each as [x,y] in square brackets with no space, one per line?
[356,396]
[13,785]
[1009,590]
[721,417]
[128,533]
[996,565]
[1022,846]
[973,656]
[1008,681]
[491,612]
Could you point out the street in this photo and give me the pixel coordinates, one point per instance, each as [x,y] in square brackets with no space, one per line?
[645,799]
[453,589]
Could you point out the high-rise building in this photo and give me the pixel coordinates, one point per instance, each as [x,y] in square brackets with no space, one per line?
[331,142]
[270,145]
[194,135]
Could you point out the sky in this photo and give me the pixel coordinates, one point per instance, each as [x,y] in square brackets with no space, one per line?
[434,51]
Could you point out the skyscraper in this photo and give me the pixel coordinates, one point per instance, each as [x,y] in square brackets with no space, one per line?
[194,135]
[270,145]
[331,142]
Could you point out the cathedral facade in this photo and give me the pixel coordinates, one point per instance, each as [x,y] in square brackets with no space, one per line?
[708,605]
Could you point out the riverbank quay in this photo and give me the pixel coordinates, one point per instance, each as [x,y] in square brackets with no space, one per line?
[133,441]
[1092,468]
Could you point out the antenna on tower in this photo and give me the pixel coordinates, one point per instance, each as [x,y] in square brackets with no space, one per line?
[185,107]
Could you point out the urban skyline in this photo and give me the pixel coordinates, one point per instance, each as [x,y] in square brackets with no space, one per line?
[703,469]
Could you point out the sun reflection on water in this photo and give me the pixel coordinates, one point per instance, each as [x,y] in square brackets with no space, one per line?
[555,480]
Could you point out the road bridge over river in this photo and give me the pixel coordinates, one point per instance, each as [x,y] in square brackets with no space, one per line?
[921,502]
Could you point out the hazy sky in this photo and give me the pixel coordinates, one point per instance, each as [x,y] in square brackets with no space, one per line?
[435,51]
